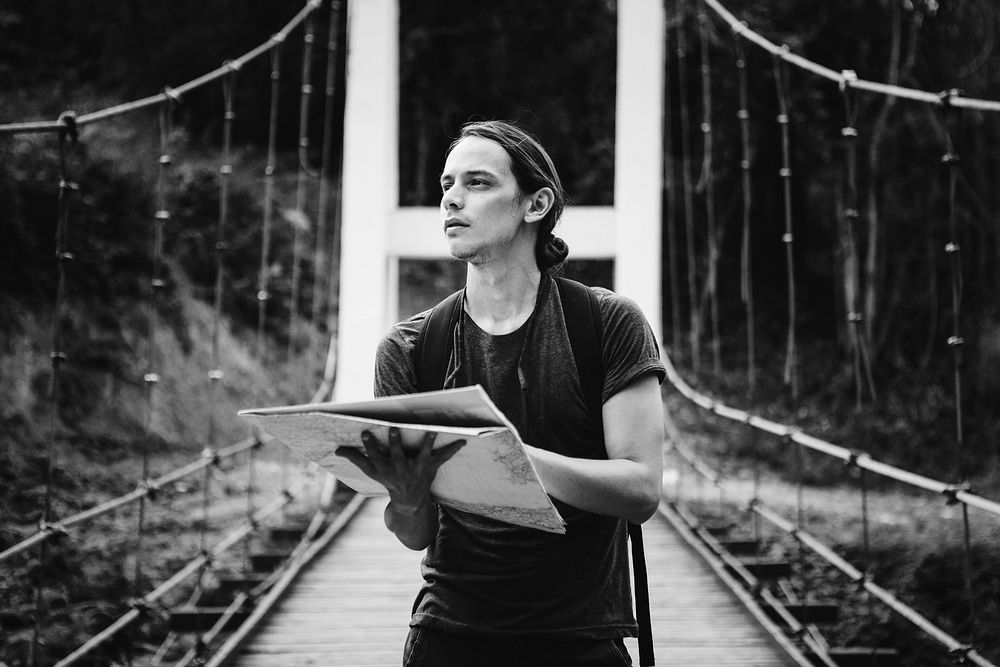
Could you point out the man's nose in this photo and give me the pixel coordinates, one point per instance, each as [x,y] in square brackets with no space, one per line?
[451,199]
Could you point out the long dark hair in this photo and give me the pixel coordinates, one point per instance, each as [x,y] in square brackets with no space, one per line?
[533,169]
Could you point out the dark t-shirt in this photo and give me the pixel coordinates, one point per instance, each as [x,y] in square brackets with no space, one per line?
[486,577]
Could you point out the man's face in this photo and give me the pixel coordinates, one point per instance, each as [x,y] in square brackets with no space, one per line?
[481,204]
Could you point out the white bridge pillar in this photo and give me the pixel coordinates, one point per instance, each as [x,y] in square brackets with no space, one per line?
[376,232]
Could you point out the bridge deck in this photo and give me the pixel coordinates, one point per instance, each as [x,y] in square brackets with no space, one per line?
[351,607]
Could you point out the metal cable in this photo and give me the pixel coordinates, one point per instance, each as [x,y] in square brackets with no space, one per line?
[216,375]
[852,270]
[708,181]
[157,283]
[800,519]
[155,100]
[825,72]
[746,258]
[950,160]
[669,186]
[866,540]
[323,249]
[694,334]
[967,564]
[333,277]
[958,492]
[790,374]
[263,273]
[67,137]
[151,487]
[300,219]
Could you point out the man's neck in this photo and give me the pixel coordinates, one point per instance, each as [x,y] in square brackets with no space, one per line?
[501,299]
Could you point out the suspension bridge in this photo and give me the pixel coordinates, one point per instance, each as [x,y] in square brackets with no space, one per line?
[297,570]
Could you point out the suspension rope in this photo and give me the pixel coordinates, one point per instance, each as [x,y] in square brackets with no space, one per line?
[866,544]
[157,284]
[790,375]
[150,488]
[694,335]
[67,137]
[746,263]
[786,55]
[852,271]
[950,160]
[671,199]
[300,219]
[863,460]
[323,251]
[155,100]
[800,517]
[707,181]
[216,375]
[263,273]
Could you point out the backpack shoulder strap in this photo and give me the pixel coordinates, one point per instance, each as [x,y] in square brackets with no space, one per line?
[582,315]
[430,354]
[583,323]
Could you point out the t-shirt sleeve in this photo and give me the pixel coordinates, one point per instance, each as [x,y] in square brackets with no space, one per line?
[395,369]
[629,348]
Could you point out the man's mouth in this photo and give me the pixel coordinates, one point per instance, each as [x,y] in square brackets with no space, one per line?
[452,223]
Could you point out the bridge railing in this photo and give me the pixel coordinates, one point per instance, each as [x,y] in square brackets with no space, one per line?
[686,454]
[37,550]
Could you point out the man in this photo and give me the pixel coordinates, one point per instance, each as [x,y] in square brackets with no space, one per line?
[493,593]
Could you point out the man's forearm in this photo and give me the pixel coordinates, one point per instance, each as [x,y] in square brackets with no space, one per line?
[625,489]
[413,525]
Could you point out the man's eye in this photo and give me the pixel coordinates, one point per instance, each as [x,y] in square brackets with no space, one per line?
[445,186]
[477,181]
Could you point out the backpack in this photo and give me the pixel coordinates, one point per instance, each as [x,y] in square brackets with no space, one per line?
[582,315]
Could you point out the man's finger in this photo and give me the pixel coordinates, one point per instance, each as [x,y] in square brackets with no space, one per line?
[357,458]
[427,444]
[395,445]
[373,448]
[442,454]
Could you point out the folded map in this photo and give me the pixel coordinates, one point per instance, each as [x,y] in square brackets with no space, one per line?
[491,475]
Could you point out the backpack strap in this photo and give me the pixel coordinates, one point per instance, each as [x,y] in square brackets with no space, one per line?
[433,343]
[582,315]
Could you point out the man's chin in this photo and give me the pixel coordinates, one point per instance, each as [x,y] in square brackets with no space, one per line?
[461,251]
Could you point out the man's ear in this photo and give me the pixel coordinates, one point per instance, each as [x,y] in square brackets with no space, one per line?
[539,204]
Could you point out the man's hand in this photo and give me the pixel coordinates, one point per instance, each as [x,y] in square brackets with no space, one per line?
[411,513]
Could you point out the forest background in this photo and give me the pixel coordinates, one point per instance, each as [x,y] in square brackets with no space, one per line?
[550,67]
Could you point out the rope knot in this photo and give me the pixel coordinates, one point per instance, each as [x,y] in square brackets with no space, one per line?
[947,97]
[211,455]
[951,492]
[960,653]
[151,488]
[54,528]
[67,121]
[140,605]
[848,78]
[172,95]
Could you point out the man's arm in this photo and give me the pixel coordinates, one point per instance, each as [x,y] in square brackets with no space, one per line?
[627,485]
[411,513]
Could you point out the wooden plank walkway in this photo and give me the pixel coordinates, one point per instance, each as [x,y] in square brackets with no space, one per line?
[352,606]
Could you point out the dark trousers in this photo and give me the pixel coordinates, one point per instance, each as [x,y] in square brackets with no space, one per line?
[431,648]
